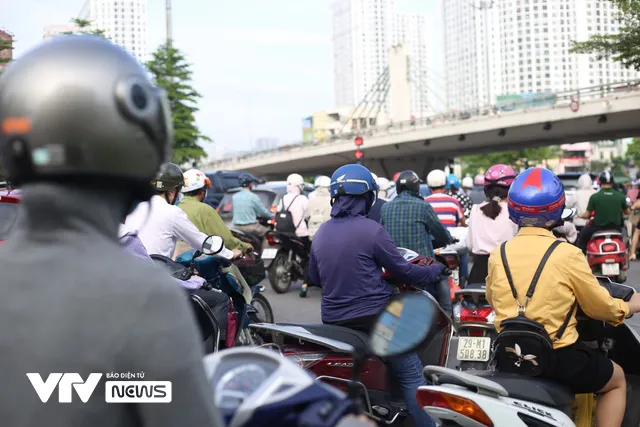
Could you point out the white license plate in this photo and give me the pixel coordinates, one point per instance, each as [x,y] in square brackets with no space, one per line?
[474,349]
[611,269]
[269,253]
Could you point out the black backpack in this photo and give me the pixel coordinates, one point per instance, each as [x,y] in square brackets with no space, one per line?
[284,220]
[523,346]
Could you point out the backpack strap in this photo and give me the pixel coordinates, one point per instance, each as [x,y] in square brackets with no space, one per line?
[536,276]
[564,325]
[288,207]
[503,255]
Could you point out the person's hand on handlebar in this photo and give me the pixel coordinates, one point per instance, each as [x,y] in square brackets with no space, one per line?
[237,253]
[634,304]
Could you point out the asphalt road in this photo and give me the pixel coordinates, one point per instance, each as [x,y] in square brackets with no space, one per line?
[290,307]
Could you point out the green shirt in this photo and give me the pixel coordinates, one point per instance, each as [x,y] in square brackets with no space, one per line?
[608,204]
[207,220]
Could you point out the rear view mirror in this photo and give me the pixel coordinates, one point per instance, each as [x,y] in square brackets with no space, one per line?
[403,325]
[569,214]
[212,245]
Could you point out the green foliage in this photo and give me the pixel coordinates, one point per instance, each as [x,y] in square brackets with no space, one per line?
[633,151]
[172,72]
[479,163]
[623,47]
[5,45]
[84,27]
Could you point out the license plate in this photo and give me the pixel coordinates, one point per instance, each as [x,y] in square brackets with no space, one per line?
[269,253]
[474,349]
[611,269]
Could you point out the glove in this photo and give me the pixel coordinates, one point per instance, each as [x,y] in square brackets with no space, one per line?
[437,270]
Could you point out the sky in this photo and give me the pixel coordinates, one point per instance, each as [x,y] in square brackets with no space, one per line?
[261,66]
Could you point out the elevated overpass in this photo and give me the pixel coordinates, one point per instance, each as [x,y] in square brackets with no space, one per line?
[602,113]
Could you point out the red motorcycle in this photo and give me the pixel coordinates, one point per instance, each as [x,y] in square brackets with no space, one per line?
[327,351]
[608,255]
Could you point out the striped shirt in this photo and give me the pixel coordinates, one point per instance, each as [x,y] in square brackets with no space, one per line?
[447,208]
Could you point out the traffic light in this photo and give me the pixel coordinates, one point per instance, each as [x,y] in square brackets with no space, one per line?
[359,156]
[359,141]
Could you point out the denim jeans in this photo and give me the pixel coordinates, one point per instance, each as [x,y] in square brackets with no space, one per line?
[407,369]
[464,265]
[441,291]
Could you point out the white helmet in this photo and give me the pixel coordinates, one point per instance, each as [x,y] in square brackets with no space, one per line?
[295,179]
[436,179]
[383,183]
[467,182]
[195,179]
[322,181]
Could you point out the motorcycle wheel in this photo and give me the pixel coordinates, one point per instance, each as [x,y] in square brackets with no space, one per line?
[279,277]
[265,312]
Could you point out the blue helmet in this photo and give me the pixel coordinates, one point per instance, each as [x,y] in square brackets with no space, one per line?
[355,180]
[453,181]
[536,199]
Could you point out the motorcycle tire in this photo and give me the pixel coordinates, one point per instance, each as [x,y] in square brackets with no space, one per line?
[279,278]
[265,312]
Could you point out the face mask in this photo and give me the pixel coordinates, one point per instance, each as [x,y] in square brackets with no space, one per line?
[178,199]
[205,195]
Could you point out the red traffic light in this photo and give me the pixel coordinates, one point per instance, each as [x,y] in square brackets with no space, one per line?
[359,141]
[359,154]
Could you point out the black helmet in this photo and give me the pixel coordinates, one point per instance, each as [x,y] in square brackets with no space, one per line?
[408,181]
[245,180]
[169,178]
[605,178]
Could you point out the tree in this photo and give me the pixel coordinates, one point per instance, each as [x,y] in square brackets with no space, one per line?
[526,157]
[85,27]
[633,151]
[624,46]
[4,46]
[172,72]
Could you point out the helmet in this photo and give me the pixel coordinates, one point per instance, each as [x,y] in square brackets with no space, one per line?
[501,175]
[321,181]
[436,179]
[353,180]
[395,177]
[605,178]
[536,199]
[82,107]
[478,180]
[295,179]
[467,182]
[408,181]
[169,178]
[383,183]
[453,181]
[195,179]
[245,180]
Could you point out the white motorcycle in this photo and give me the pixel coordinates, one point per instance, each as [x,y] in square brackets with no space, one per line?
[491,398]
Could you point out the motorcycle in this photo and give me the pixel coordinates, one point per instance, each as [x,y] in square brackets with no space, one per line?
[290,260]
[492,398]
[608,254]
[249,238]
[258,387]
[326,351]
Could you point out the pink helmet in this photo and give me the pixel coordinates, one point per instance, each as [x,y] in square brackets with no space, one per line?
[501,175]
[478,180]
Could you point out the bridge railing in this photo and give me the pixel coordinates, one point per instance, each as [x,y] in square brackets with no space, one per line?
[451,118]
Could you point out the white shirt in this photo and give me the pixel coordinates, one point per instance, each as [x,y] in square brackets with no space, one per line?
[298,209]
[160,225]
[485,234]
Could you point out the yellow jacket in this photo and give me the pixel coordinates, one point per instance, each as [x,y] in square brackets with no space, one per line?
[565,278]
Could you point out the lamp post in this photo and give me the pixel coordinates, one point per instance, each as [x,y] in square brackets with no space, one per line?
[168,18]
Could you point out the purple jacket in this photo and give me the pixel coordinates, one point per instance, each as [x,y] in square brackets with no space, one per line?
[347,255]
[132,243]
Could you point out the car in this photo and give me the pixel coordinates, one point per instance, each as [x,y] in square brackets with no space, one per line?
[223,181]
[9,201]
[270,194]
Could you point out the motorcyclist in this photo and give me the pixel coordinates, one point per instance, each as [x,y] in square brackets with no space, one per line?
[319,213]
[609,205]
[376,210]
[453,187]
[467,185]
[583,194]
[384,185]
[83,131]
[247,208]
[477,192]
[317,184]
[347,256]
[412,224]
[203,216]
[536,202]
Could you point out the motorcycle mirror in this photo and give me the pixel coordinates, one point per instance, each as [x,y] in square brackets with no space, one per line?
[569,214]
[212,245]
[402,326]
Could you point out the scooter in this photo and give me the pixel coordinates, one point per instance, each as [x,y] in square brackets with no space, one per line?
[492,398]
[258,387]
[290,259]
[608,255]
[326,350]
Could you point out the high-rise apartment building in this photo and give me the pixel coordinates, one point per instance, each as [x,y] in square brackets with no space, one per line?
[363,33]
[124,22]
[500,47]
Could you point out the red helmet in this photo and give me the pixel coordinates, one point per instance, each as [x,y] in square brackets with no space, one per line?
[501,175]
[395,177]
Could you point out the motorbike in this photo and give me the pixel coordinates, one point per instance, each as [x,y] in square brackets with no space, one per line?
[492,398]
[258,387]
[326,351]
[249,238]
[290,260]
[608,254]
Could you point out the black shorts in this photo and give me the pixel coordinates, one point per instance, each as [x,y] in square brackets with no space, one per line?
[583,369]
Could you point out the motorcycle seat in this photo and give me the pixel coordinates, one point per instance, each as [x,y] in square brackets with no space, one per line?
[349,336]
[537,390]
[605,233]
[238,232]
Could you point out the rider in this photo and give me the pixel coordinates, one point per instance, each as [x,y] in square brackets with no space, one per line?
[453,185]
[609,206]
[203,216]
[83,131]
[247,208]
[467,185]
[317,184]
[376,210]
[536,202]
[412,224]
[347,257]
